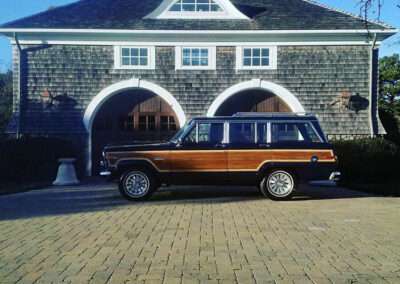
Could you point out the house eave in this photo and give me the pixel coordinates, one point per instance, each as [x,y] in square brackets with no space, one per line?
[101,36]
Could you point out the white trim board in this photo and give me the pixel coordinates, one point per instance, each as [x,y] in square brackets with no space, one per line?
[108,31]
[257,84]
[205,44]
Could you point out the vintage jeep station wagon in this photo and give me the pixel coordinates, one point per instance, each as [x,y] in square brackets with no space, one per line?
[272,151]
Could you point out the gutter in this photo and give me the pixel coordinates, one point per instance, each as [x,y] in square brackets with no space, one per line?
[19,86]
[371,89]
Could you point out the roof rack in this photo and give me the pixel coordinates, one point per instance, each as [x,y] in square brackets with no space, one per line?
[269,114]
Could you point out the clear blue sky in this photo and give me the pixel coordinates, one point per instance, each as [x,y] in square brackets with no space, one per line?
[15,9]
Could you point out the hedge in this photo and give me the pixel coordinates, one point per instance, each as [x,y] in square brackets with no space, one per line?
[35,159]
[368,160]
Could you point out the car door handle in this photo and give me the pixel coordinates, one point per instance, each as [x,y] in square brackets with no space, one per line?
[158,159]
[264,145]
[220,146]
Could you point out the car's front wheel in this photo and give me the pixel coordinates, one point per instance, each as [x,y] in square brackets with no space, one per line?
[137,184]
[279,184]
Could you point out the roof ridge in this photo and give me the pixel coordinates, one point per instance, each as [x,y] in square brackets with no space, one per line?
[43,12]
[347,13]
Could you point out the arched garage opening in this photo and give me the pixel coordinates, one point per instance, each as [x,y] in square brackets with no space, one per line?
[255,96]
[133,110]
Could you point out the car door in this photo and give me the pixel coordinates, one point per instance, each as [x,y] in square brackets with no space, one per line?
[248,150]
[201,156]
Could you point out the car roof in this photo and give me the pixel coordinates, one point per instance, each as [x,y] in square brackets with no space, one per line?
[260,116]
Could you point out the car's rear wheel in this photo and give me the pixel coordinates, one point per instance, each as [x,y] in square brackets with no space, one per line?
[137,184]
[279,184]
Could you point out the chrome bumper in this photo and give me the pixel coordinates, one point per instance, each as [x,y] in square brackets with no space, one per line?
[105,173]
[335,176]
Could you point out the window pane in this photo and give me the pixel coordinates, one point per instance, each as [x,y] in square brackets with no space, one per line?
[211,133]
[242,133]
[215,8]
[134,52]
[195,52]
[186,52]
[203,1]
[204,53]
[125,52]
[125,61]
[256,61]
[176,8]
[312,135]
[188,7]
[143,61]
[134,61]
[265,52]
[186,61]
[247,62]
[203,8]
[262,133]
[195,62]
[265,62]
[286,132]
[143,52]
[247,52]
[204,62]
[256,52]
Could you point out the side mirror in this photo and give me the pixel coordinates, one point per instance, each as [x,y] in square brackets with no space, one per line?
[179,142]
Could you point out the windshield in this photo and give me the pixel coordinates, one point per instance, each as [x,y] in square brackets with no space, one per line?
[180,132]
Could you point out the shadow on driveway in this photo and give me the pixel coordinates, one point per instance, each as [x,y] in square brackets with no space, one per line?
[100,196]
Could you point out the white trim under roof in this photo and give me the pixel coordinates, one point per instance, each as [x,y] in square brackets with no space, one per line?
[183,37]
[229,11]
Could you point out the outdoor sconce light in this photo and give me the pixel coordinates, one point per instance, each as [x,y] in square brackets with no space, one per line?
[47,98]
[344,99]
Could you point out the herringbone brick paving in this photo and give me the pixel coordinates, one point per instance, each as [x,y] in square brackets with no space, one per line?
[89,234]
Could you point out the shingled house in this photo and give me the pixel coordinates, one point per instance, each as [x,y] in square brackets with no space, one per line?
[97,71]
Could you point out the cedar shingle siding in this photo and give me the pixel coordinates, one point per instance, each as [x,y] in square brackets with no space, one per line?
[316,75]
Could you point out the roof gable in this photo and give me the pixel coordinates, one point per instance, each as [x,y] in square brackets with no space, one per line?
[134,15]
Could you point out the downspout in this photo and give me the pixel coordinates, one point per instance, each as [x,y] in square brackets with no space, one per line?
[371,89]
[19,86]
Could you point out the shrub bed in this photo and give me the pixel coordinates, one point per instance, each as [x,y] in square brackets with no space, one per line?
[34,160]
[368,160]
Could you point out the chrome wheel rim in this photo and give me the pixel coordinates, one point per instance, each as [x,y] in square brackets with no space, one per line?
[136,184]
[280,183]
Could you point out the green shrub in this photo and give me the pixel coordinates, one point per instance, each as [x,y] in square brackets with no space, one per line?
[35,159]
[368,160]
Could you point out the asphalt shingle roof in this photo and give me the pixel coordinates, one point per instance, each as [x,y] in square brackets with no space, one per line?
[128,15]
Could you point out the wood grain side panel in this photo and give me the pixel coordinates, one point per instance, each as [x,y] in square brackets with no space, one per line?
[248,160]
[303,155]
[198,161]
[159,159]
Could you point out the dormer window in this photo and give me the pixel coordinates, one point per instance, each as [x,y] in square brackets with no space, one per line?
[196,9]
[195,6]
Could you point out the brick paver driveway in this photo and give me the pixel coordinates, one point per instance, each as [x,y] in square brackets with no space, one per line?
[201,234]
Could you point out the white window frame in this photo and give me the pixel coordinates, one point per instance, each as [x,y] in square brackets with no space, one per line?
[151,54]
[273,57]
[212,58]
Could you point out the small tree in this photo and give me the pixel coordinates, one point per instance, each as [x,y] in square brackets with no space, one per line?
[6,96]
[389,83]
[389,95]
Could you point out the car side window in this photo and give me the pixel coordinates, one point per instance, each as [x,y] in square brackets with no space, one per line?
[242,133]
[294,132]
[206,133]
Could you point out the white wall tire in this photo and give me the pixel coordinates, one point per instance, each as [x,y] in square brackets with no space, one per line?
[279,184]
[137,184]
